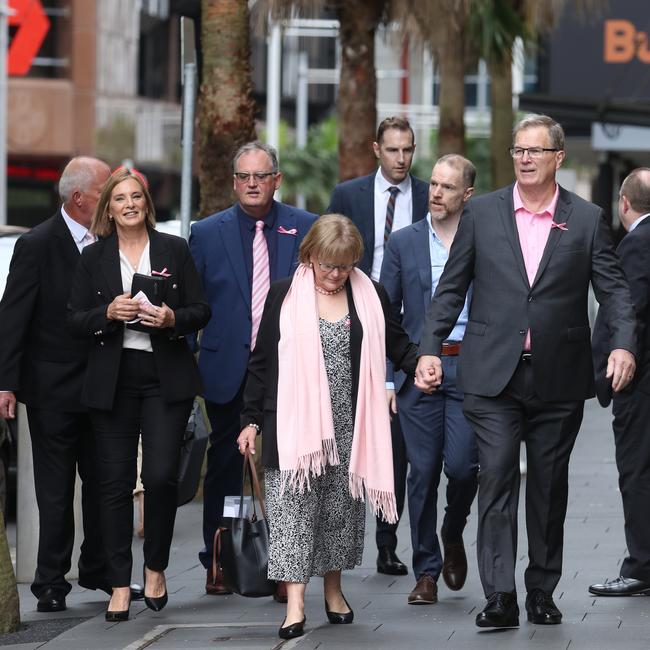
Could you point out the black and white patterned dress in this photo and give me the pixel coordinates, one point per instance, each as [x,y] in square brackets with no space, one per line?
[321,529]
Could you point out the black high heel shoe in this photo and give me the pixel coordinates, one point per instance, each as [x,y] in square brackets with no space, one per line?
[155,603]
[336,618]
[293,630]
[118,616]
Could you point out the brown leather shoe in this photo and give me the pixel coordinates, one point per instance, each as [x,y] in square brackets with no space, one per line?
[214,583]
[425,591]
[280,593]
[454,566]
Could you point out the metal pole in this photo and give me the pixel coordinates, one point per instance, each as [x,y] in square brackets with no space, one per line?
[302,108]
[189,90]
[273,86]
[4,45]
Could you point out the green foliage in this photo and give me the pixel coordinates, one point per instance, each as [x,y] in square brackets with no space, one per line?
[314,170]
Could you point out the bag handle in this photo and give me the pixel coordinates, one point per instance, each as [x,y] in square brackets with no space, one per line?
[216,554]
[249,467]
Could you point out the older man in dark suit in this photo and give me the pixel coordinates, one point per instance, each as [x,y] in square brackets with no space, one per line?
[631,407]
[43,366]
[531,251]
[379,204]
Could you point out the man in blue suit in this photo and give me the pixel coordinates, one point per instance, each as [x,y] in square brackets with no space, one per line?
[436,432]
[380,204]
[223,249]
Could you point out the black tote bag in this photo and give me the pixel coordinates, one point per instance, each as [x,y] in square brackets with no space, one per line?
[241,545]
[195,442]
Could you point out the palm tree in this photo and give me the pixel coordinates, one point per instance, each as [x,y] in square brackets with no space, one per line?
[9,602]
[226,111]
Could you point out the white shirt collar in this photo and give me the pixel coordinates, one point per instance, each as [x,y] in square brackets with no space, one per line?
[382,184]
[77,231]
[638,221]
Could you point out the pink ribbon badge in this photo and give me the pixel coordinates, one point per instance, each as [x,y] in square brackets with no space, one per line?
[162,273]
[559,226]
[284,231]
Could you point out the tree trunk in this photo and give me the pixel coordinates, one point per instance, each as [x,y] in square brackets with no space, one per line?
[450,58]
[502,120]
[357,99]
[9,602]
[226,111]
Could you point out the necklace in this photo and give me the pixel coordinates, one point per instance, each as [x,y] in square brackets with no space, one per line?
[324,292]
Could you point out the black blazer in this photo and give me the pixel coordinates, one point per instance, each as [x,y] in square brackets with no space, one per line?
[634,253]
[39,360]
[504,305]
[356,199]
[260,393]
[98,281]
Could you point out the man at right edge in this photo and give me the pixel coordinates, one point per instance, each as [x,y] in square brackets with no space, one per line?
[531,251]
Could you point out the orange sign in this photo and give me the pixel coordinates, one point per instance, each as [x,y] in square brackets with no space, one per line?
[623,42]
[33,25]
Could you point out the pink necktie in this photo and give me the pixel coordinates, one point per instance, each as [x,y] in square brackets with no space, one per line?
[261,279]
[89,238]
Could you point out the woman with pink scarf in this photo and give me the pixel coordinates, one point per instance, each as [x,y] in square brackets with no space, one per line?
[316,391]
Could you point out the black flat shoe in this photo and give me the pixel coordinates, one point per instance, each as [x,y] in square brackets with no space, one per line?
[155,603]
[541,609]
[118,616]
[336,618]
[293,630]
[501,611]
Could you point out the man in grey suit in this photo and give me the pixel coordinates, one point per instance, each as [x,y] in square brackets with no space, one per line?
[530,251]
[435,430]
[380,204]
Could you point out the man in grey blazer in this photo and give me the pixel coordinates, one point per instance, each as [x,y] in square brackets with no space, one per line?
[436,432]
[380,204]
[530,251]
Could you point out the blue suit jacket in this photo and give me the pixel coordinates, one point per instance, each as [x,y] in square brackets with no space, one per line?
[406,276]
[356,199]
[216,246]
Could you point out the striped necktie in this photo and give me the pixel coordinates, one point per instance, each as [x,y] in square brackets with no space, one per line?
[390,211]
[261,279]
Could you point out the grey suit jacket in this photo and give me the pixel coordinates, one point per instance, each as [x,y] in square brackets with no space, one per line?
[504,306]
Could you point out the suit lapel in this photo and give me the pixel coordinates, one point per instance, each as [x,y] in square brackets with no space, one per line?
[420,244]
[231,237]
[68,249]
[286,244]
[420,202]
[110,263]
[366,212]
[160,257]
[562,214]
[507,216]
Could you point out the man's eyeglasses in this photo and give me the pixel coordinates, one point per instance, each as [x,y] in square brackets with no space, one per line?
[533,152]
[330,268]
[260,177]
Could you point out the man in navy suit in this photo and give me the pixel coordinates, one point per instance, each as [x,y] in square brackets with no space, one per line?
[380,204]
[631,408]
[436,432]
[222,246]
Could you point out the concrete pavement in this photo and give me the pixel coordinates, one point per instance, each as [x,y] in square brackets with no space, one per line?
[594,550]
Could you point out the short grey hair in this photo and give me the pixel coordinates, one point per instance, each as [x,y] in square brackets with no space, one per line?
[555,131]
[462,164]
[257,146]
[77,175]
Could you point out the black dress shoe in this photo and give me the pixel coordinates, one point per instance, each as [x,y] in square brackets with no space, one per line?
[293,630]
[621,587]
[389,563]
[155,603]
[541,608]
[117,616]
[501,611]
[336,618]
[51,601]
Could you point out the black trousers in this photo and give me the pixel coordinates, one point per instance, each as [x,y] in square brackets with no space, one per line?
[631,410]
[386,534]
[223,475]
[549,430]
[138,409]
[62,444]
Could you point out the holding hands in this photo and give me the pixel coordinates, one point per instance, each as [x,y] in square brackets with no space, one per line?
[428,374]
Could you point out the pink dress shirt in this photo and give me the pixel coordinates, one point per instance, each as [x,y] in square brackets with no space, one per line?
[533,228]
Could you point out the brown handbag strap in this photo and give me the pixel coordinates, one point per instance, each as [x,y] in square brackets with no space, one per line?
[257,491]
[216,554]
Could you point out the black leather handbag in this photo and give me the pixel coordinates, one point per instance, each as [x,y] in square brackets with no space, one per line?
[195,442]
[241,545]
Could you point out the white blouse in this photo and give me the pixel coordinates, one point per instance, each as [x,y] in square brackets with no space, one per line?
[134,340]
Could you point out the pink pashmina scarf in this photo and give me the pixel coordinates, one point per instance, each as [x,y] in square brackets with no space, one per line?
[305,429]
